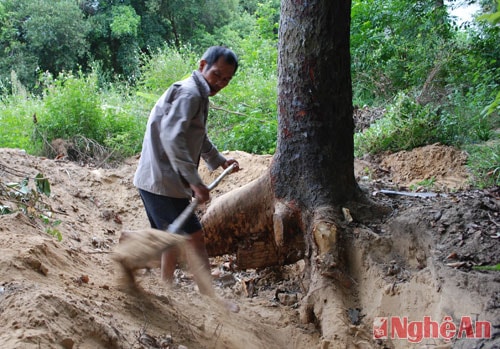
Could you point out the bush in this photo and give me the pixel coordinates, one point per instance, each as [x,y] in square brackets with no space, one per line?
[17,114]
[125,122]
[484,162]
[244,114]
[105,124]
[163,68]
[406,125]
[71,108]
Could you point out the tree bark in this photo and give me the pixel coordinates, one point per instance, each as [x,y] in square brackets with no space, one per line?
[315,142]
[295,210]
[314,162]
[248,221]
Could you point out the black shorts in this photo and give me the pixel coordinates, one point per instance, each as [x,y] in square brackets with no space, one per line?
[163,210]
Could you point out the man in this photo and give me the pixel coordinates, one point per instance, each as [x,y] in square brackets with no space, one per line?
[175,139]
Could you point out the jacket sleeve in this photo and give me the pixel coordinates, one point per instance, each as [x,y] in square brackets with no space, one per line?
[211,155]
[174,128]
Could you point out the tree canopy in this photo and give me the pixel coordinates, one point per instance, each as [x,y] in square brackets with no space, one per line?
[60,35]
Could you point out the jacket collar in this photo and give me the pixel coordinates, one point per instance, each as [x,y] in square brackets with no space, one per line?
[201,83]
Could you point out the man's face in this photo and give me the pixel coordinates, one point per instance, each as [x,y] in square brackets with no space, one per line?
[218,75]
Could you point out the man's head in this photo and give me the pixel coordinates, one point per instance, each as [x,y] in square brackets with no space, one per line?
[218,65]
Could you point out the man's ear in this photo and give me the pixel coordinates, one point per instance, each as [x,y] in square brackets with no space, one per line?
[202,65]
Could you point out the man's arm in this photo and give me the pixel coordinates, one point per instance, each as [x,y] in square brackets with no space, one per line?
[174,128]
[214,158]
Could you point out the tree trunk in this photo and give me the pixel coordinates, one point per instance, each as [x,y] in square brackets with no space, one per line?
[295,210]
[315,142]
[314,161]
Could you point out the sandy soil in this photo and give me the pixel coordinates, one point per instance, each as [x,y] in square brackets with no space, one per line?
[419,261]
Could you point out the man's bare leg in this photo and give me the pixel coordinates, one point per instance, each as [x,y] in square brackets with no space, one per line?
[168,264]
[200,266]
[199,263]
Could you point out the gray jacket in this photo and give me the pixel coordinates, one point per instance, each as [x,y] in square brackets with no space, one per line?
[175,138]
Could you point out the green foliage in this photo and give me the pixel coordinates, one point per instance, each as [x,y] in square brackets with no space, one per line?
[75,109]
[452,72]
[42,184]
[253,135]
[125,22]
[267,15]
[16,117]
[184,21]
[124,27]
[487,267]
[64,35]
[4,209]
[493,18]
[406,125]
[249,6]
[494,107]
[55,32]
[484,162]
[244,116]
[216,14]
[54,232]
[428,184]
[399,46]
[394,45]
[124,120]
[164,67]
[29,201]
[23,193]
[50,35]
[71,107]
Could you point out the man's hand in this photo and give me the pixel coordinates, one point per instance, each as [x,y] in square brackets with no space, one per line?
[201,192]
[229,162]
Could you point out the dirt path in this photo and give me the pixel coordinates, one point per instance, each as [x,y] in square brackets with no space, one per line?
[418,262]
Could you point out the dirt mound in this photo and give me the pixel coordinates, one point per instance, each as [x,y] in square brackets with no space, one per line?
[435,165]
[420,261]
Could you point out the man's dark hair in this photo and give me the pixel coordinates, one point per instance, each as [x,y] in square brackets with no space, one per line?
[212,54]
